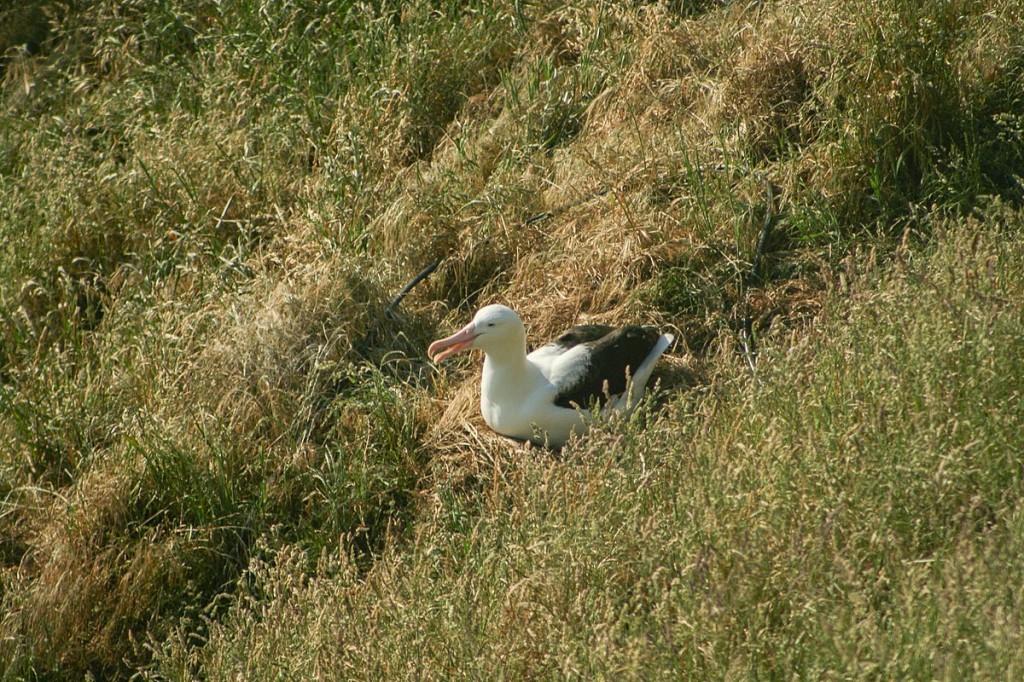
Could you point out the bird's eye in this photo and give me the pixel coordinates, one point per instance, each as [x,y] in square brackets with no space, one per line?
[490,324]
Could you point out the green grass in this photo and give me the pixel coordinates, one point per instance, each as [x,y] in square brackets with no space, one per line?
[222,456]
[857,514]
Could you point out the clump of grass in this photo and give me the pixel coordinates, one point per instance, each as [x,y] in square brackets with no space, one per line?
[903,87]
[163,510]
[768,94]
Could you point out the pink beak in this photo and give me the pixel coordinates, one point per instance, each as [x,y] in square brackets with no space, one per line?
[461,340]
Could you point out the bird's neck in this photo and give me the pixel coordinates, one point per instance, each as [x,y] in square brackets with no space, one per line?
[510,360]
[509,371]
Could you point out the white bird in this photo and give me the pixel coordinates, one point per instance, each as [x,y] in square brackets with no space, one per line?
[545,396]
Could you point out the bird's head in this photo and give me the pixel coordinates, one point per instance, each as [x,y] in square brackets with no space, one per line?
[493,329]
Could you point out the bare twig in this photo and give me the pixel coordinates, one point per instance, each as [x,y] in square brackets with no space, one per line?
[423,274]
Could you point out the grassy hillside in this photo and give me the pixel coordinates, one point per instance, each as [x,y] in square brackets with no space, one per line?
[223,455]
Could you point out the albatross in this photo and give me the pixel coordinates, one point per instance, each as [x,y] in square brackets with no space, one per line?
[547,395]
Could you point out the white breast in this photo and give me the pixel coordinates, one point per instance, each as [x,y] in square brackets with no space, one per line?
[520,404]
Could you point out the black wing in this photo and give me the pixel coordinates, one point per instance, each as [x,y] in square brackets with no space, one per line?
[583,333]
[574,336]
[611,355]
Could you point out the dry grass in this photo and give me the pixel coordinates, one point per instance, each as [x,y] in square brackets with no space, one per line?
[856,515]
[223,456]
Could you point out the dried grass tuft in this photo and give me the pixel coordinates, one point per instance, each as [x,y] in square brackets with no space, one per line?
[765,96]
